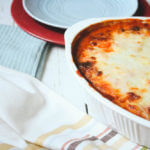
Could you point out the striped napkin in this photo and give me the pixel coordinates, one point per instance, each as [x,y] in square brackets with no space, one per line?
[32,117]
[22,52]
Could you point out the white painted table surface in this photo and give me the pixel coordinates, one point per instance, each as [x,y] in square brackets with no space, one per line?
[57,74]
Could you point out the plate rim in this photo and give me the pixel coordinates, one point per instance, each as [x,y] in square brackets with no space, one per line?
[54,36]
[64,26]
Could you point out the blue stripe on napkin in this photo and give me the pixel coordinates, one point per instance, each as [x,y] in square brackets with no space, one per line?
[22,52]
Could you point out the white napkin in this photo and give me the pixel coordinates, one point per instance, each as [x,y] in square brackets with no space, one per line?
[32,115]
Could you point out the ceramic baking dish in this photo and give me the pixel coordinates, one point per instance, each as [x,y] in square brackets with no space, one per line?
[133,127]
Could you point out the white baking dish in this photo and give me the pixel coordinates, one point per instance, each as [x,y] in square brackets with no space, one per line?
[135,128]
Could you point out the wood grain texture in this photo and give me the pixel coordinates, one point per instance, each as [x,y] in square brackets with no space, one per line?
[58,76]
[5,15]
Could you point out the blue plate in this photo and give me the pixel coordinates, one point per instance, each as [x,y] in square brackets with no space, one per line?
[64,13]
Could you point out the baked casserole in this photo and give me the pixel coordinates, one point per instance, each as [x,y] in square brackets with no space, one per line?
[114,57]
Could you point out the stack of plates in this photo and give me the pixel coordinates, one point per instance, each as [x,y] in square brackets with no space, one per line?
[48,19]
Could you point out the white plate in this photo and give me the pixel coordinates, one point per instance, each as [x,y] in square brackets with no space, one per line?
[64,13]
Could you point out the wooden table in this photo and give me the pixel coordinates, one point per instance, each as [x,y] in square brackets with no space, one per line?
[57,74]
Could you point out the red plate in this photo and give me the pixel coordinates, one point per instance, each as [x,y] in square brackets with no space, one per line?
[144,8]
[48,33]
[33,27]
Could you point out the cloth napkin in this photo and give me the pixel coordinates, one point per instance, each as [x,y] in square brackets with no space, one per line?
[22,52]
[32,117]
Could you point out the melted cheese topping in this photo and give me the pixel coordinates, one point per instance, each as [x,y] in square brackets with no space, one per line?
[115,59]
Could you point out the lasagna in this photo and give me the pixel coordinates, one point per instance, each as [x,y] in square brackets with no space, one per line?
[114,57]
